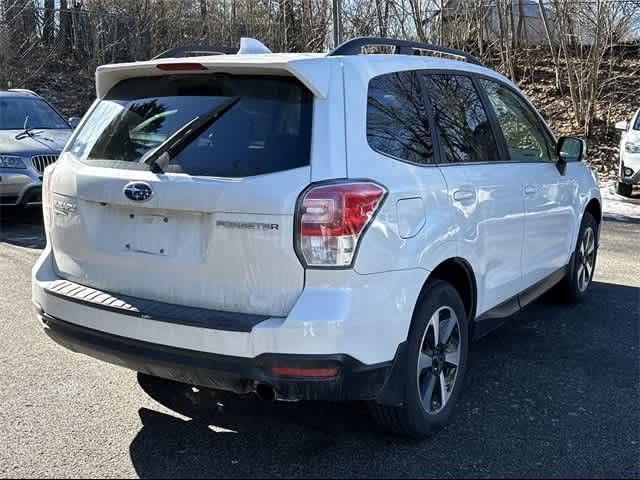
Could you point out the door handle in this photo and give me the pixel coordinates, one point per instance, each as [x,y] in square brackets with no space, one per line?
[530,189]
[464,195]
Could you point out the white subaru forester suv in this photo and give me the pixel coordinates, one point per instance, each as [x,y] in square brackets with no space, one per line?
[629,166]
[311,226]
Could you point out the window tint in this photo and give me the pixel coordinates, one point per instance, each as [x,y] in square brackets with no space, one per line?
[268,130]
[397,124]
[525,138]
[462,122]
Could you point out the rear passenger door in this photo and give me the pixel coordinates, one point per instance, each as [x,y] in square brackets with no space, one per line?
[485,191]
[549,196]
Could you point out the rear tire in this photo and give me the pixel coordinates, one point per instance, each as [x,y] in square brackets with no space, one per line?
[573,288]
[624,189]
[433,371]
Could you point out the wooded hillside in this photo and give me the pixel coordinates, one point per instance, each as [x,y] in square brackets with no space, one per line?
[579,60]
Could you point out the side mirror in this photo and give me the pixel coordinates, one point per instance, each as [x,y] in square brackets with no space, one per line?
[570,149]
[74,122]
[622,126]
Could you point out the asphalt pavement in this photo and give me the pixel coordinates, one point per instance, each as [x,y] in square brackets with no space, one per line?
[554,393]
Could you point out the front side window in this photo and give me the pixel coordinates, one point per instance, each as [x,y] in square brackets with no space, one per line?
[18,112]
[637,125]
[465,131]
[267,130]
[525,139]
[397,124]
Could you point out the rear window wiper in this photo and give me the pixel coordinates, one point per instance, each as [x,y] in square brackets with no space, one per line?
[161,156]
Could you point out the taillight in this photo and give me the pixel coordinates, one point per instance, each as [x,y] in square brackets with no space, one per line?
[47,196]
[331,220]
[303,372]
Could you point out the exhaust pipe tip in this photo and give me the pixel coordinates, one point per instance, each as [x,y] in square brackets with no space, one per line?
[265,392]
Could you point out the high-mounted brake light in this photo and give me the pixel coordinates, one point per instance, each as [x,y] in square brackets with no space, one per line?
[331,220]
[179,67]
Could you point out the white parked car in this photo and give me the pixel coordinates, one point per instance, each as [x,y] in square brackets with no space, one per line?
[629,171]
[311,226]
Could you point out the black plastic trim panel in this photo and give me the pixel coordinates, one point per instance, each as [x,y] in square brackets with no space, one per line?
[497,316]
[154,310]
[354,381]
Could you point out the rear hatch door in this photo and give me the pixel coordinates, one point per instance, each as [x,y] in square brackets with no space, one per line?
[214,229]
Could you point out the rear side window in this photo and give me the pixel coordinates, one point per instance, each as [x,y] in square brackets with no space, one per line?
[397,124]
[465,131]
[267,130]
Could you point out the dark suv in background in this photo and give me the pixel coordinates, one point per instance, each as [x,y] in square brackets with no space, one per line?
[32,135]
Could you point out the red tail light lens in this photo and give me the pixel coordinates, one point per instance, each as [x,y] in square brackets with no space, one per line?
[301,372]
[47,197]
[332,219]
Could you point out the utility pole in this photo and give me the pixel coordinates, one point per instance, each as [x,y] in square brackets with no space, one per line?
[441,22]
[337,22]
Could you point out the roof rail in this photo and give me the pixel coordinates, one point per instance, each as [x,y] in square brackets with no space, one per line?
[194,51]
[23,90]
[403,47]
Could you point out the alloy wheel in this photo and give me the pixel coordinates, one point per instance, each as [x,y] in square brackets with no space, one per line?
[439,360]
[586,259]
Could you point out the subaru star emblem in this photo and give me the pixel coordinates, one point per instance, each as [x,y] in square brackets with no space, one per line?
[138,191]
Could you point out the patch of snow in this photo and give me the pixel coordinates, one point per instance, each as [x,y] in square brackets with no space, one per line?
[616,206]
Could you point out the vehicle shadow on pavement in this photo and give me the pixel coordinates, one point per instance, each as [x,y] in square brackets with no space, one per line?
[22,227]
[538,393]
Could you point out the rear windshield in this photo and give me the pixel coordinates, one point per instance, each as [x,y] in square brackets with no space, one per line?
[267,130]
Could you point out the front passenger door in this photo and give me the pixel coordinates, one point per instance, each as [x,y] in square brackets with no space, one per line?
[549,196]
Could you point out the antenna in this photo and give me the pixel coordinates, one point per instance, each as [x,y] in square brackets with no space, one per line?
[251,45]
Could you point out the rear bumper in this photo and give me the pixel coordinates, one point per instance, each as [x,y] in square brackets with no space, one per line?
[338,312]
[354,322]
[353,381]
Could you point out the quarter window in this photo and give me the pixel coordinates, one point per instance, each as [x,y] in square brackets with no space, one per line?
[397,123]
[525,139]
[465,131]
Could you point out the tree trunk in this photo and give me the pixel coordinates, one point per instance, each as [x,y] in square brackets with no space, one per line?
[205,19]
[383,17]
[65,27]
[554,54]
[48,21]
[289,25]
[416,11]
[522,24]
